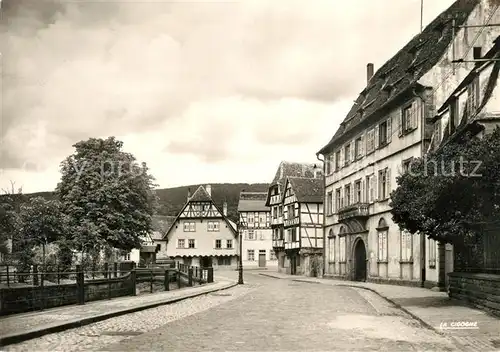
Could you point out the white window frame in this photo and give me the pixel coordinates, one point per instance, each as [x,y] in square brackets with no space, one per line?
[179,241]
[229,244]
[250,255]
[406,246]
[432,253]
[382,255]
[189,226]
[218,242]
[193,241]
[342,249]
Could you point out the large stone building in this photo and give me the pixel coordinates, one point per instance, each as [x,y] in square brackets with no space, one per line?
[287,262]
[202,234]
[390,123]
[255,230]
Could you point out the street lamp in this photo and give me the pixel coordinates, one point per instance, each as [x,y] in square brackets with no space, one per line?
[240,259]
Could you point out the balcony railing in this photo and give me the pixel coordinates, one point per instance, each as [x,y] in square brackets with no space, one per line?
[278,243]
[291,222]
[276,199]
[353,211]
[277,221]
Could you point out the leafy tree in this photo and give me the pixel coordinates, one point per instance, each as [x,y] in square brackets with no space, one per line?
[109,197]
[41,222]
[453,193]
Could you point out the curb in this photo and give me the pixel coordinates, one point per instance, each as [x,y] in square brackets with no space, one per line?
[58,327]
[396,305]
[269,275]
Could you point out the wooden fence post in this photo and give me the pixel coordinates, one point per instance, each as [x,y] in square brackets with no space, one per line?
[80,285]
[42,293]
[210,275]
[190,276]
[115,269]
[179,284]
[35,275]
[166,280]
[152,281]
[133,277]
[58,275]
[8,280]
[106,269]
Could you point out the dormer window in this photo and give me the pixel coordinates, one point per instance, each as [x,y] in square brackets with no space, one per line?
[440,29]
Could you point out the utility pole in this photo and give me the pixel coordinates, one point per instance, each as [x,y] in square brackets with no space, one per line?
[240,257]
[421,15]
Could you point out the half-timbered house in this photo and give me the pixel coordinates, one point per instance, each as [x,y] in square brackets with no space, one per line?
[256,232]
[303,222]
[202,234]
[274,201]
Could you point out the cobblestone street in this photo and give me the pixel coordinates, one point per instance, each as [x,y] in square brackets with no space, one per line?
[264,315]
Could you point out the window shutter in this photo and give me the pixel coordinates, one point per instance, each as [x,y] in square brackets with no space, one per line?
[362,199]
[389,182]
[415,114]
[353,150]
[375,136]
[376,187]
[341,197]
[361,146]
[400,125]
[341,152]
[430,108]
[389,129]
[379,254]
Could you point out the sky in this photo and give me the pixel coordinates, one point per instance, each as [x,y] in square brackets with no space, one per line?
[202,91]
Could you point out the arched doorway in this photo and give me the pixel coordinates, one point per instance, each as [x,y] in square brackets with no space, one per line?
[360,261]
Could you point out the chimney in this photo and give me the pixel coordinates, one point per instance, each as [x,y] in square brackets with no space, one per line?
[189,193]
[369,72]
[224,209]
[477,52]
[208,188]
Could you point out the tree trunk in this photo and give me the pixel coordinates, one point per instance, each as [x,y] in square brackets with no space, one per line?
[43,256]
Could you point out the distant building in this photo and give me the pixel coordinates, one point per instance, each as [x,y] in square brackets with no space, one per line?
[152,243]
[275,199]
[256,232]
[202,234]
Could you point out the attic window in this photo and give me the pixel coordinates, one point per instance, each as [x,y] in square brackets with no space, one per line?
[440,30]
[361,111]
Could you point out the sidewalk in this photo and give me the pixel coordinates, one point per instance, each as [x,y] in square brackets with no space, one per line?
[432,309]
[20,327]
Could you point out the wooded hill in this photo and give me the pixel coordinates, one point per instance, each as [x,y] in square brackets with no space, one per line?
[173,199]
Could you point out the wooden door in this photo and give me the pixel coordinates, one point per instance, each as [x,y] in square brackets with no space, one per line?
[262,258]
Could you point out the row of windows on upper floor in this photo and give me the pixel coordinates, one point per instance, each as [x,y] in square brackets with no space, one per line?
[375,138]
[259,218]
[191,244]
[212,226]
[374,187]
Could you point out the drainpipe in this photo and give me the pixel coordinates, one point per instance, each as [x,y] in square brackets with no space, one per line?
[324,214]
[421,236]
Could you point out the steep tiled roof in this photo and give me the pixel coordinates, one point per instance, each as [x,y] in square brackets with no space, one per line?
[403,70]
[160,225]
[293,169]
[252,201]
[307,190]
[200,195]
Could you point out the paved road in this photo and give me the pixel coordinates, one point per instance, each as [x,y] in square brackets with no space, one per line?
[264,315]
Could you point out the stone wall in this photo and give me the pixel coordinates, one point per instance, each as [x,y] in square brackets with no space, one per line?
[30,298]
[479,290]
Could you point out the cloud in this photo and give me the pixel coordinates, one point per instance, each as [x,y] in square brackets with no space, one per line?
[260,72]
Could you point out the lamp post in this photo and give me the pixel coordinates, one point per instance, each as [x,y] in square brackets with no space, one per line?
[240,257]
